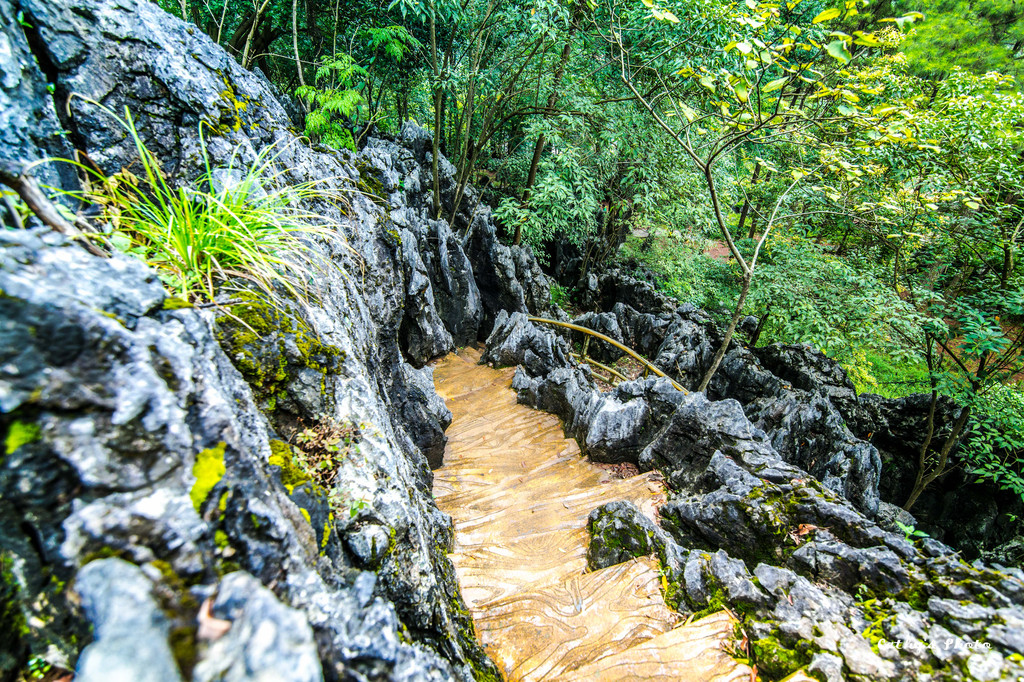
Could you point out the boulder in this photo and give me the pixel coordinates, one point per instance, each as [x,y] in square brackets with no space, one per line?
[619,531]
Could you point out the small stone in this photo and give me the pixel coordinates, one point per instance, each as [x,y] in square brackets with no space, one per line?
[266,640]
[861,660]
[828,666]
[985,666]
[129,629]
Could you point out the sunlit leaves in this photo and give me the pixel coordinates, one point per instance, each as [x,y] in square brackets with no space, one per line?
[826,15]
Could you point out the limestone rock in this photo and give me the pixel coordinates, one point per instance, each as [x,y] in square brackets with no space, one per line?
[130,631]
[266,640]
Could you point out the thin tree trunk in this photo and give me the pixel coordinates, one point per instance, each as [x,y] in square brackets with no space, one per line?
[747,279]
[438,100]
[435,152]
[929,431]
[746,204]
[925,479]
[538,148]
[295,47]
[252,33]
[896,271]
[756,336]
[530,180]
[26,187]
[1004,278]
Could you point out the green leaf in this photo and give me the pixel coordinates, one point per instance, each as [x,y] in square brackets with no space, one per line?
[826,15]
[837,50]
[775,85]
[741,91]
[865,39]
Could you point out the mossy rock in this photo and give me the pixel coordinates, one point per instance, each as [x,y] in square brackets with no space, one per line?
[13,627]
[270,347]
[776,659]
[371,184]
[180,607]
[208,469]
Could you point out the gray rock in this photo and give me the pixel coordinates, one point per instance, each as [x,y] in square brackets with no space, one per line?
[619,531]
[697,429]
[810,433]
[985,666]
[828,666]
[889,514]
[1009,637]
[845,567]
[604,323]
[129,629]
[861,660]
[809,370]
[29,128]
[615,431]
[266,640]
[732,576]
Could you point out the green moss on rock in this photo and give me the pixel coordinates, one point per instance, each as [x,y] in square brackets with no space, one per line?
[20,433]
[208,470]
[175,303]
[184,648]
[281,456]
[12,621]
[778,660]
[371,185]
[269,347]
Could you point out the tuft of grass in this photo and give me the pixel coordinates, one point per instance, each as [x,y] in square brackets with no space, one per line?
[244,223]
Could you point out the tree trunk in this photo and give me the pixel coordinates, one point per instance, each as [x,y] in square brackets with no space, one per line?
[1004,278]
[243,31]
[530,180]
[925,479]
[435,151]
[760,326]
[538,148]
[295,47]
[746,204]
[28,190]
[747,279]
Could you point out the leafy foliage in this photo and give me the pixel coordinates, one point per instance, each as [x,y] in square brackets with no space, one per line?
[335,99]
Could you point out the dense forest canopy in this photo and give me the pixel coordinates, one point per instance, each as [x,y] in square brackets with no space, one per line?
[849,174]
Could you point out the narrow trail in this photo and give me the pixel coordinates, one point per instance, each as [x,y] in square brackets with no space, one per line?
[519,494]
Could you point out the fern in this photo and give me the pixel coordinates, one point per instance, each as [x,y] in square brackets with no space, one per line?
[394,41]
[336,99]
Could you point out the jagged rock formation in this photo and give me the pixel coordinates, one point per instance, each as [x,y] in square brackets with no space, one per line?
[797,395]
[809,408]
[820,584]
[164,435]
